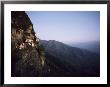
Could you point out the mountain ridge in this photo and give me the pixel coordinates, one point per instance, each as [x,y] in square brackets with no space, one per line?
[74,56]
[93,46]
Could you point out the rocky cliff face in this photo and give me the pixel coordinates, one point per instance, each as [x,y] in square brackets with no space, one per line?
[28,58]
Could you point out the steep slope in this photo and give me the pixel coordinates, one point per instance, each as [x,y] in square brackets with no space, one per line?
[28,58]
[79,62]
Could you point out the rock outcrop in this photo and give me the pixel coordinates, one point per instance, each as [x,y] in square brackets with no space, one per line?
[27,55]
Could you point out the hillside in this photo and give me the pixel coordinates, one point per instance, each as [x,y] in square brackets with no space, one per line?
[78,61]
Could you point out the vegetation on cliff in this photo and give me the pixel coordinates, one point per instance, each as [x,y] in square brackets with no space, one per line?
[28,59]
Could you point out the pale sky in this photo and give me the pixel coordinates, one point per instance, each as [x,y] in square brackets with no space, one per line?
[66,26]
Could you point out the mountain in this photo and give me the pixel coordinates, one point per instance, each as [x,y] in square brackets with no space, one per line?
[93,46]
[27,57]
[75,61]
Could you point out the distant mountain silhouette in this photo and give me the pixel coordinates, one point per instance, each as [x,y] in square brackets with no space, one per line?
[71,61]
[93,46]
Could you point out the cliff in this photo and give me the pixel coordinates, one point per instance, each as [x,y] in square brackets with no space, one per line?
[27,55]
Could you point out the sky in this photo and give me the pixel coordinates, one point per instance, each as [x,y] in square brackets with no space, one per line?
[66,26]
